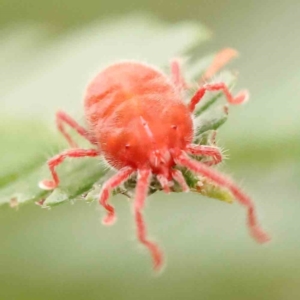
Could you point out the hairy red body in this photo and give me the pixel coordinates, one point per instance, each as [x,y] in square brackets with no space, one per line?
[137,115]
[139,123]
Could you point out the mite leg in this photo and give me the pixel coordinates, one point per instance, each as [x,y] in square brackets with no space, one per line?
[240,98]
[220,60]
[177,175]
[164,182]
[58,159]
[212,151]
[258,234]
[109,185]
[177,76]
[63,118]
[140,196]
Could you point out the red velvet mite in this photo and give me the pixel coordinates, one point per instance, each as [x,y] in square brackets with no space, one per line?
[139,124]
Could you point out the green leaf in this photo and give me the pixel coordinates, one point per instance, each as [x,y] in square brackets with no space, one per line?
[23,147]
[211,120]
[76,179]
[210,190]
[28,144]
[24,189]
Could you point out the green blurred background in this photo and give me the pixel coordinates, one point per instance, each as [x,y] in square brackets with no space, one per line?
[65,253]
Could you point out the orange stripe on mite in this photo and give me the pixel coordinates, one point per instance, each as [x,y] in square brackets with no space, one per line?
[139,123]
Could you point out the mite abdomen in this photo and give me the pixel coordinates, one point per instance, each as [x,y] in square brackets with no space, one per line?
[125,96]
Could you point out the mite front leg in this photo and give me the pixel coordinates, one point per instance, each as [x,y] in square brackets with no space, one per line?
[109,185]
[164,182]
[63,118]
[139,201]
[58,159]
[211,151]
[240,98]
[177,175]
[255,230]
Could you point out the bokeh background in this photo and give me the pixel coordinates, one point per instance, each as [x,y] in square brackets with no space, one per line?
[49,50]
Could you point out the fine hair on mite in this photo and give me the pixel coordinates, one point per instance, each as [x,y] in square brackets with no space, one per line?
[139,124]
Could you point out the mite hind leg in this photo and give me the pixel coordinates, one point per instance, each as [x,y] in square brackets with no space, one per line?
[61,119]
[222,58]
[240,98]
[177,75]
[58,159]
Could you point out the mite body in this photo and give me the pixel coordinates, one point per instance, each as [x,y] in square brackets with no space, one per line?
[137,116]
[138,122]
